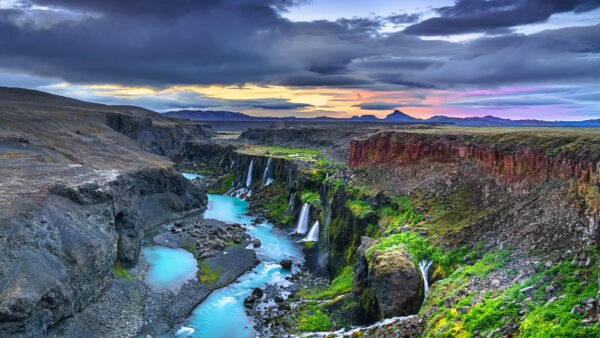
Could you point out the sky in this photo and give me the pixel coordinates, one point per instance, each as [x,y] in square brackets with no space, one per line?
[518,59]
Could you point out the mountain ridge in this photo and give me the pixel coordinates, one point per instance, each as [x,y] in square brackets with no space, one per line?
[395,116]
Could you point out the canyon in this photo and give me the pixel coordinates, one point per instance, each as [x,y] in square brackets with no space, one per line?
[311,229]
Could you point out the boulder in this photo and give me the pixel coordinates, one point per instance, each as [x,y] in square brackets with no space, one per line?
[398,284]
[256,242]
[250,301]
[388,284]
[258,293]
[286,264]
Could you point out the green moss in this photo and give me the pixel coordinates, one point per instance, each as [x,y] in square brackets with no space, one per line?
[339,285]
[310,245]
[337,184]
[226,183]
[121,272]
[312,318]
[311,198]
[206,274]
[503,307]
[359,208]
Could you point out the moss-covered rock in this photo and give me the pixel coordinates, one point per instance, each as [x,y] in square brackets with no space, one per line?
[398,284]
[388,284]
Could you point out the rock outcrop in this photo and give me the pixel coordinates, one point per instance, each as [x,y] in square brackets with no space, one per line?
[159,137]
[75,199]
[387,284]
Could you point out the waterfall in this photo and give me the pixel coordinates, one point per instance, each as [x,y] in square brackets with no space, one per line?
[291,198]
[424,267]
[220,162]
[326,175]
[302,226]
[249,178]
[232,163]
[266,178]
[313,234]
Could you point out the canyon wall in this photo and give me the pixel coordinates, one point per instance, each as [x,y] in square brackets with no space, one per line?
[511,159]
[162,137]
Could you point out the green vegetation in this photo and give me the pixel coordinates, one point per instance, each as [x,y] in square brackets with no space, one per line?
[189,245]
[312,318]
[288,153]
[311,198]
[533,313]
[206,274]
[359,208]
[226,183]
[121,272]
[310,245]
[341,284]
[420,249]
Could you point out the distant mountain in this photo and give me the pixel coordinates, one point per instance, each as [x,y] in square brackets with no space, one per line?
[210,115]
[365,118]
[586,123]
[396,116]
[489,121]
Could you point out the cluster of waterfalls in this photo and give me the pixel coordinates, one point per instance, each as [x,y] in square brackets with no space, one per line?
[302,225]
[246,190]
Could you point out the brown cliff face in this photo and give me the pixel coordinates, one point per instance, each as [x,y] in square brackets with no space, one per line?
[508,163]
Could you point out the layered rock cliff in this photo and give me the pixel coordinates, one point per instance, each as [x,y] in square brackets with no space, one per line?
[510,158]
[75,199]
[159,136]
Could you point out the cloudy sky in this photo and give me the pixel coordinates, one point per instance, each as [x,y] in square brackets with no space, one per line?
[508,58]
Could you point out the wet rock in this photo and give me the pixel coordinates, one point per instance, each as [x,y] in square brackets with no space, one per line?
[250,301]
[256,242]
[258,293]
[286,264]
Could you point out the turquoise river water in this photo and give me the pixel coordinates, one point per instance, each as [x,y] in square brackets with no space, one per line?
[222,313]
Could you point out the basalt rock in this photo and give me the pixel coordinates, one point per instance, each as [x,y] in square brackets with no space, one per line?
[286,264]
[388,284]
[160,138]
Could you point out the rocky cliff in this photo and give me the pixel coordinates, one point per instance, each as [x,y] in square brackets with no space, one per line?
[158,136]
[75,198]
[515,158]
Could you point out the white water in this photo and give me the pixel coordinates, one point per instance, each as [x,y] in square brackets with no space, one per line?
[424,267]
[302,225]
[249,178]
[313,234]
[326,175]
[355,329]
[266,178]
[291,198]
[220,162]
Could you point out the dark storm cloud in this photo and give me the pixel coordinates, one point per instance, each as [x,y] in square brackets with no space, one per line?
[472,16]
[160,43]
[400,19]
[386,105]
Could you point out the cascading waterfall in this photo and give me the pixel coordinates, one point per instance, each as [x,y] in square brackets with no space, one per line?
[326,175]
[313,234]
[424,267]
[302,225]
[221,162]
[291,198]
[249,177]
[266,179]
